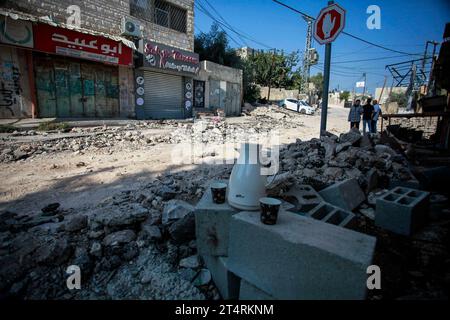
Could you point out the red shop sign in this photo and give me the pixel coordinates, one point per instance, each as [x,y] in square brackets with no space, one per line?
[80,45]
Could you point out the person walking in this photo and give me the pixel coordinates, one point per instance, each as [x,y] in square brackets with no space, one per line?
[367,115]
[354,115]
[376,114]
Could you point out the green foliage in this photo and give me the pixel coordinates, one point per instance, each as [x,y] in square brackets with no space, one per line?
[400,98]
[213,46]
[48,126]
[344,95]
[317,80]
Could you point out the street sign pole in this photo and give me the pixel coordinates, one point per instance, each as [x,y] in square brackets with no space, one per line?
[326,84]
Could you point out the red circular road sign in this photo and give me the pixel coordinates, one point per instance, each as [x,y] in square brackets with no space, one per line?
[329,24]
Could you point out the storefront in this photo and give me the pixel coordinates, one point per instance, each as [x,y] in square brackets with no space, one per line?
[77,74]
[164,82]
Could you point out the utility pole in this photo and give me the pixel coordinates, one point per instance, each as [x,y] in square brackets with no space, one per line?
[382,89]
[270,74]
[306,63]
[326,84]
[364,90]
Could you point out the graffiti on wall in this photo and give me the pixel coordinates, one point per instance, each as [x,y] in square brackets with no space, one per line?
[10,89]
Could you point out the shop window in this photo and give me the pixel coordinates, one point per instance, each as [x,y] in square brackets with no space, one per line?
[170,16]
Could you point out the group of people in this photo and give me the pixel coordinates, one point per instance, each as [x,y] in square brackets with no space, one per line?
[370,113]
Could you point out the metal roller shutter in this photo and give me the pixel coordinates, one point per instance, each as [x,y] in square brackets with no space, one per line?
[163,96]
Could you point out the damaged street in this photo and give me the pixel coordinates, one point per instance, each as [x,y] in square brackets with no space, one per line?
[224,158]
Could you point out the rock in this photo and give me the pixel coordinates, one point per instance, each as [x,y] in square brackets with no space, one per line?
[183,230]
[372,180]
[19,154]
[119,237]
[176,209]
[151,232]
[187,274]
[190,262]
[202,278]
[330,147]
[53,251]
[343,146]
[96,249]
[166,193]
[333,173]
[309,173]
[76,223]
[124,215]
[50,209]
[130,251]
[368,212]
[366,142]
[353,137]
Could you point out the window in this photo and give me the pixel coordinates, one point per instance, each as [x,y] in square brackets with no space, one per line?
[170,16]
[140,9]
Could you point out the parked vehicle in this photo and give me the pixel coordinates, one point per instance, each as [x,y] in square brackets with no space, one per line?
[297,105]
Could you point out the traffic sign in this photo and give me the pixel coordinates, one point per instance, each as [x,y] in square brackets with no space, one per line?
[329,23]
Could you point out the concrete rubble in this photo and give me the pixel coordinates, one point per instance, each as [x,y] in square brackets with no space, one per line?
[144,244]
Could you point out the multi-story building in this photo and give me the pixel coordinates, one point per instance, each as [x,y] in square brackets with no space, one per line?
[97,58]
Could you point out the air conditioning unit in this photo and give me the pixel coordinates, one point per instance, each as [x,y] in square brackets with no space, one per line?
[130,27]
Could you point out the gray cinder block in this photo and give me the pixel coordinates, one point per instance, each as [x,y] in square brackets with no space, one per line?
[299,257]
[345,194]
[330,214]
[212,222]
[250,292]
[402,210]
[303,197]
[226,281]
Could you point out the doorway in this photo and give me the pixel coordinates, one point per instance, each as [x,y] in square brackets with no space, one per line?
[70,88]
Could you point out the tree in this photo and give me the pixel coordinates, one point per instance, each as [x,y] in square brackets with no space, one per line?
[213,46]
[317,80]
[344,95]
[400,98]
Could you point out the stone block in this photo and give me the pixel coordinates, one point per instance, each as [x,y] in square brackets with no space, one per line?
[299,257]
[212,222]
[226,281]
[402,210]
[250,292]
[345,194]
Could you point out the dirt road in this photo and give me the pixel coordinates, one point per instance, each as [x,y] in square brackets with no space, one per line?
[78,179]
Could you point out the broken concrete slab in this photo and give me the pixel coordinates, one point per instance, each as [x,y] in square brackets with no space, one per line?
[300,258]
[402,210]
[346,194]
[212,222]
[176,209]
[248,291]
[226,281]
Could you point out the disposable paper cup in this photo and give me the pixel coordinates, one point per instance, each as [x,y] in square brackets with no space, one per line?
[218,191]
[269,210]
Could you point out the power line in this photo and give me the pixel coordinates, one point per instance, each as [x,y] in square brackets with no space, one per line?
[225,24]
[346,33]
[219,24]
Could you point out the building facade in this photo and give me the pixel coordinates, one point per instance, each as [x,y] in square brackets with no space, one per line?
[217,87]
[84,59]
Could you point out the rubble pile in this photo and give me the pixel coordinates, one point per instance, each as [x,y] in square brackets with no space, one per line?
[137,244]
[321,162]
[136,137]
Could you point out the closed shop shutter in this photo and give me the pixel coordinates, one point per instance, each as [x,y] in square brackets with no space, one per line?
[163,96]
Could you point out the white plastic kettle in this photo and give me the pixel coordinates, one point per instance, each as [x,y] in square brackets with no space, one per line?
[247,185]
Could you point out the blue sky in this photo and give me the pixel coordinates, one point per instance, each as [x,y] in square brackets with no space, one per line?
[405,26]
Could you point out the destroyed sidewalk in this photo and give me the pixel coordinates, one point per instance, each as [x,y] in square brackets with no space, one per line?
[141,244]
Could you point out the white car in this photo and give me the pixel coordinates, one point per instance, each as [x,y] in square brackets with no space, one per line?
[297,105]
